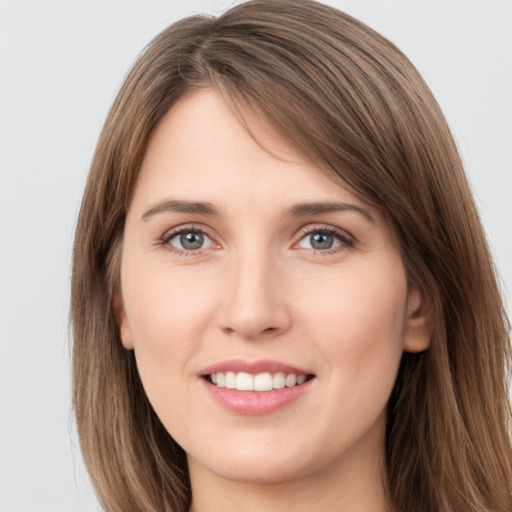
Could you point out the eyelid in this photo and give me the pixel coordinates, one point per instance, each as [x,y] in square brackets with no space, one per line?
[347,240]
[177,230]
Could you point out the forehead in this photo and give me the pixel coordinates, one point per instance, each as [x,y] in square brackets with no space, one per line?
[200,151]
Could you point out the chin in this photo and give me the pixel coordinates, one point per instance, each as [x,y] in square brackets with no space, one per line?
[257,471]
[263,461]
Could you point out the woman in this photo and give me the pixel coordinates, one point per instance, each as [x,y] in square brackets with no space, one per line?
[282,294]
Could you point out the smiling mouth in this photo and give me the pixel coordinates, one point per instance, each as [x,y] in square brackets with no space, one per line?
[261,382]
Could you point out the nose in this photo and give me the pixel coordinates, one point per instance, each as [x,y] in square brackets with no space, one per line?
[255,304]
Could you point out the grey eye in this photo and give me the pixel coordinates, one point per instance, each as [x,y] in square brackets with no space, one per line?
[190,240]
[320,241]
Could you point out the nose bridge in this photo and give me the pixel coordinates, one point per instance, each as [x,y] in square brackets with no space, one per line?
[255,305]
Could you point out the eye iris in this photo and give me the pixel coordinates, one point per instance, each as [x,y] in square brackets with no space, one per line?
[191,240]
[321,241]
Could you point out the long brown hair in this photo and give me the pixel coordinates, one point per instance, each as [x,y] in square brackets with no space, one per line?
[360,110]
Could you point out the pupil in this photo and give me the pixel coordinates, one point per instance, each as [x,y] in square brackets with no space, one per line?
[321,241]
[191,240]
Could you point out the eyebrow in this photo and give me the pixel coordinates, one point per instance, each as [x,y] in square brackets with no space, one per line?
[297,210]
[173,205]
[309,209]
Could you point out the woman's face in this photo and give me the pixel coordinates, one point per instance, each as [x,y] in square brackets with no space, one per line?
[247,266]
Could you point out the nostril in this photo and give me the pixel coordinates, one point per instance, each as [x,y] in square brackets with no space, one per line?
[251,331]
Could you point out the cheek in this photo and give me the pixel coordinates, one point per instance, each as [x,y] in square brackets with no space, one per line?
[166,315]
[159,303]
[359,322]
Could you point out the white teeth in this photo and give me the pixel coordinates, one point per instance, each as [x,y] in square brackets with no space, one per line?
[242,381]
[279,380]
[263,382]
[291,380]
[230,380]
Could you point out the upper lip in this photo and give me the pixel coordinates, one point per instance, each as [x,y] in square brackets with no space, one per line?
[253,367]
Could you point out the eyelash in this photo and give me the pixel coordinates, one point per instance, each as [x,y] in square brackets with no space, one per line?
[167,237]
[347,241]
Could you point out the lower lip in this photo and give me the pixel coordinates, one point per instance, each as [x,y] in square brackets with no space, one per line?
[256,402]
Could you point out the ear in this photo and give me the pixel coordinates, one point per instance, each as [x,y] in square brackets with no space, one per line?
[122,323]
[418,326]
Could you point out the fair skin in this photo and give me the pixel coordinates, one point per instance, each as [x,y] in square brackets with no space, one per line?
[252,278]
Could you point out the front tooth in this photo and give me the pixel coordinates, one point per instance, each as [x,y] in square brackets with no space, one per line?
[221,380]
[263,382]
[230,380]
[278,380]
[291,380]
[244,382]
[301,379]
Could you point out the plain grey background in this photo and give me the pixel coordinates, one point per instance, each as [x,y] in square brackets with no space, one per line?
[61,63]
